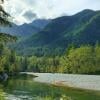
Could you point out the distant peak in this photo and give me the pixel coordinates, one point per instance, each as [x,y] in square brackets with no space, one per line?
[88,10]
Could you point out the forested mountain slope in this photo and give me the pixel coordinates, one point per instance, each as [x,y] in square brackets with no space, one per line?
[25,30]
[81,28]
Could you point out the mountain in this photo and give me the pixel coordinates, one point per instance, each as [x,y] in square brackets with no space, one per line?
[25,29]
[79,29]
[41,23]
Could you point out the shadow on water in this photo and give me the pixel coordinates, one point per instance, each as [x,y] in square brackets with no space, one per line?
[23,87]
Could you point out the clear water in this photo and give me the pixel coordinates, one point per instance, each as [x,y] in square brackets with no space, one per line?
[25,88]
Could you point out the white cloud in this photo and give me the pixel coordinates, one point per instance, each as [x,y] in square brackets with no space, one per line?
[47,8]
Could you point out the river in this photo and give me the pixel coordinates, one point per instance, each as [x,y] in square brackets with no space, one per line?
[46,87]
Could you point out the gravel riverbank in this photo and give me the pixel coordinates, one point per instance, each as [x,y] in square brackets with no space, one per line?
[91,82]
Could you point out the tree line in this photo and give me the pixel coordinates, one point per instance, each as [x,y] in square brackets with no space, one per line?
[82,60]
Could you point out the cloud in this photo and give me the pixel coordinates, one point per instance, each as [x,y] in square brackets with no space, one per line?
[24,11]
[29,15]
[17,9]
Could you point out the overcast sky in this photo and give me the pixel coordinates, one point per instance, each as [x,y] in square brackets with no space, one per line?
[25,11]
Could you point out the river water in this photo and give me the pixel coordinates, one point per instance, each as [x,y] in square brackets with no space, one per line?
[26,87]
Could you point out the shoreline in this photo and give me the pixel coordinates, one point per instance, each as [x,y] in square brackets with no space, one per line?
[87,82]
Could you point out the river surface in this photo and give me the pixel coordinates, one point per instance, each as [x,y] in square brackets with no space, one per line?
[28,87]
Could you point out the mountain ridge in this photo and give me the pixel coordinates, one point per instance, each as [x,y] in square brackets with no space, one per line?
[25,29]
[77,29]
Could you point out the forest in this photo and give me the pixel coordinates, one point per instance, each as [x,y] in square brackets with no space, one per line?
[81,60]
[78,59]
[48,57]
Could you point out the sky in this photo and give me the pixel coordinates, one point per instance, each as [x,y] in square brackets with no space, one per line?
[25,11]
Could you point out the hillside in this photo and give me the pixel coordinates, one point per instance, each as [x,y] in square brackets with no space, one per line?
[81,28]
[25,29]
[6,38]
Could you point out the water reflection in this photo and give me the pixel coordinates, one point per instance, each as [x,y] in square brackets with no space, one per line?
[24,88]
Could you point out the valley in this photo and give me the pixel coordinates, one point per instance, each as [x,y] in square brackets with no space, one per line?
[50,56]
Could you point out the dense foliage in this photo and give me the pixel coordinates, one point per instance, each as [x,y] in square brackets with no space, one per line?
[6,55]
[85,59]
[7,58]
[82,60]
